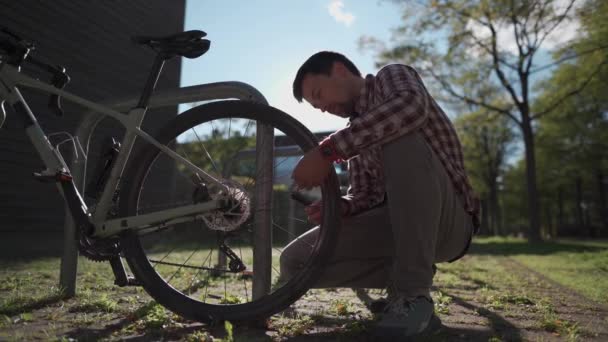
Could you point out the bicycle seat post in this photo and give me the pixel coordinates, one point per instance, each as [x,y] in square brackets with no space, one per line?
[157,67]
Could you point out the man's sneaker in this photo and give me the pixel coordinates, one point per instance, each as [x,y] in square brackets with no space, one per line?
[378,305]
[406,318]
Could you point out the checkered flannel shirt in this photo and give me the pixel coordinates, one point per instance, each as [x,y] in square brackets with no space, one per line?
[394,103]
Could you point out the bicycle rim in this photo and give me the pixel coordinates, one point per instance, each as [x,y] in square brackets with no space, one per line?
[187,267]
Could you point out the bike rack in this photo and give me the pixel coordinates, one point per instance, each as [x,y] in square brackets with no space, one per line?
[165,98]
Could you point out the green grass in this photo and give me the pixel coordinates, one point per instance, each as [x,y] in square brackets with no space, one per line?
[289,327]
[580,265]
[28,292]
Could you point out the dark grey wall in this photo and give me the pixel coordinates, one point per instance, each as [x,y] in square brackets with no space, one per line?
[92,40]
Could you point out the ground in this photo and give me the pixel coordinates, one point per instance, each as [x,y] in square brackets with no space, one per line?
[504,290]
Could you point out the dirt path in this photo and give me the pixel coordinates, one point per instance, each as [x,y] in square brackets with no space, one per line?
[517,305]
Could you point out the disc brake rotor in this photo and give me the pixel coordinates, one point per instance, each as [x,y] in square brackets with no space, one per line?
[234,214]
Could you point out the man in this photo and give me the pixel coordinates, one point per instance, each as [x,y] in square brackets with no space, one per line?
[409,204]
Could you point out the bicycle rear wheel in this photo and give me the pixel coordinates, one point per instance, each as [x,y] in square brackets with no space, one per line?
[216,267]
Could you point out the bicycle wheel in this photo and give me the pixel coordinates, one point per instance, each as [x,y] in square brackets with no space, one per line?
[215,267]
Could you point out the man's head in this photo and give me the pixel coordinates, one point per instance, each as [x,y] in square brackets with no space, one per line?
[330,82]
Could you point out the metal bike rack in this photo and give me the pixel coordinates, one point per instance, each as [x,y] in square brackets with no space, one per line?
[164,98]
[263,231]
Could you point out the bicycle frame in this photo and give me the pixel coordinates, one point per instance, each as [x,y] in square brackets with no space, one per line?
[11,79]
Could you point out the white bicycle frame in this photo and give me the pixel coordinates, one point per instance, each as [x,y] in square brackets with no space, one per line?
[11,79]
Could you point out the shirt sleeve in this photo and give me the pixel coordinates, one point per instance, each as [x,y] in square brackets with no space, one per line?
[401,107]
[366,188]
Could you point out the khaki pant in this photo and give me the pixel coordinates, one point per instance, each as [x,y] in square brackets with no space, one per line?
[422,222]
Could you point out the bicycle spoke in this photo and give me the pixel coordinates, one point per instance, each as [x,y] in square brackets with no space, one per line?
[207,152]
[173,275]
[208,275]
[199,271]
[244,279]
[286,231]
[298,220]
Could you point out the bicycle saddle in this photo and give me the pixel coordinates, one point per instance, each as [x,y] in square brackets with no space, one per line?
[188,44]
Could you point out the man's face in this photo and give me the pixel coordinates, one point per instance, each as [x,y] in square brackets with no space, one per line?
[330,93]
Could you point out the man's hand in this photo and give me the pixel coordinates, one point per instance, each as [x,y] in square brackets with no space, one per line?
[314,212]
[311,170]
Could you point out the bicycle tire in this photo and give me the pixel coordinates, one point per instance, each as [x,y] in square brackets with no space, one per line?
[176,300]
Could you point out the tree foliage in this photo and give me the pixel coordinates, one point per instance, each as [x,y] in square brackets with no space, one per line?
[486,141]
[488,54]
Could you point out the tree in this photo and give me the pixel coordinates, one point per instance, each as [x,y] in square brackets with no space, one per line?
[573,142]
[485,141]
[476,49]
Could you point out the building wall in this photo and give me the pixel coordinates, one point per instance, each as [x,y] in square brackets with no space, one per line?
[92,40]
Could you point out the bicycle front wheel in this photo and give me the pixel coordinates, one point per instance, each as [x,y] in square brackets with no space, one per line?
[225,264]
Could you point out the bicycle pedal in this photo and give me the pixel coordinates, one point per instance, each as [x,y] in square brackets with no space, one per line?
[132,281]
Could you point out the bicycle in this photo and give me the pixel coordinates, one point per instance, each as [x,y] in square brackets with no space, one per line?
[173,208]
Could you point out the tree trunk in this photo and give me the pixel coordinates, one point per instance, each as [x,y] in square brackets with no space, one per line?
[549,230]
[560,208]
[495,209]
[580,221]
[485,228]
[602,195]
[533,205]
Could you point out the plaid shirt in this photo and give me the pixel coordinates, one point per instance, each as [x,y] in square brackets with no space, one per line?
[392,104]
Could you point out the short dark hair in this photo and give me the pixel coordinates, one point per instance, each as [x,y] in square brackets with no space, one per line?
[320,63]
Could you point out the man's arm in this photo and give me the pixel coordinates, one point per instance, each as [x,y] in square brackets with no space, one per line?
[403,109]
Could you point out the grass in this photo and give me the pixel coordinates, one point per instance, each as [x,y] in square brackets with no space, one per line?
[29,295]
[580,265]
[90,303]
[289,327]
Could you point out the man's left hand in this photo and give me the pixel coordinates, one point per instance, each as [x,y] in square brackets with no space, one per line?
[311,170]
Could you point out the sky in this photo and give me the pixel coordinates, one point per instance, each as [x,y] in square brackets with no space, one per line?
[263,43]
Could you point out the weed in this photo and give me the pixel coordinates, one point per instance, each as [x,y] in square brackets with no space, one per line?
[288,327]
[500,301]
[156,317]
[26,317]
[230,299]
[103,303]
[341,307]
[84,318]
[199,336]
[442,303]
[552,323]
[5,321]
[545,306]
[229,331]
